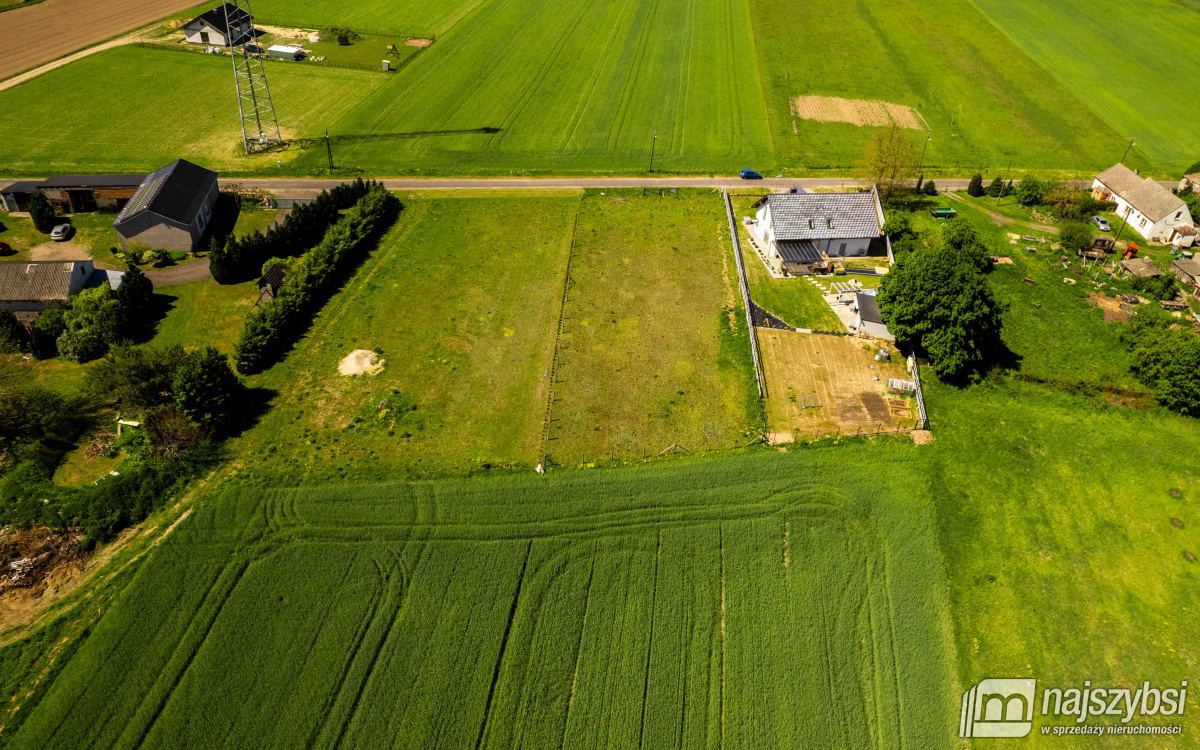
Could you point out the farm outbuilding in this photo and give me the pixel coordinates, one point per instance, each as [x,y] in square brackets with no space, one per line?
[75,193]
[869,320]
[212,27]
[829,224]
[15,197]
[1140,267]
[285,52]
[31,287]
[1188,271]
[1151,209]
[171,210]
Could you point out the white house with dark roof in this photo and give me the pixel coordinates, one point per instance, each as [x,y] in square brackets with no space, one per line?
[1152,210]
[213,27]
[801,230]
[171,210]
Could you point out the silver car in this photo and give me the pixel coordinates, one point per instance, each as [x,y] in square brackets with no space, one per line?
[1101,223]
[62,232]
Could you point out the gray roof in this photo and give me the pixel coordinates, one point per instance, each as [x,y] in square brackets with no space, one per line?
[1189,266]
[26,281]
[1140,267]
[1151,199]
[868,308]
[24,186]
[94,181]
[798,251]
[823,216]
[216,17]
[176,192]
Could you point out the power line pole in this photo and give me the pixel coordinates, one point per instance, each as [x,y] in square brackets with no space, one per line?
[260,129]
[1131,145]
[1124,221]
[928,138]
[1004,184]
[652,144]
[329,150]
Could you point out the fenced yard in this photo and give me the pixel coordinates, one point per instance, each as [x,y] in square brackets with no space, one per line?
[826,385]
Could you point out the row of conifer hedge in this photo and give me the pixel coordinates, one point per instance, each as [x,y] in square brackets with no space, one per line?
[267,332]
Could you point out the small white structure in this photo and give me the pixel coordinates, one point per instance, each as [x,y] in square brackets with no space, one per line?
[286,52]
[868,318]
[802,230]
[211,27]
[1151,209]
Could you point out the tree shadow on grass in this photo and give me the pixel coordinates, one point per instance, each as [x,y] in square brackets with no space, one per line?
[254,404]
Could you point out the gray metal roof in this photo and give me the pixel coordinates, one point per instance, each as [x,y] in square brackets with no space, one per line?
[1189,266]
[798,251]
[24,186]
[823,216]
[176,192]
[1151,199]
[93,181]
[29,281]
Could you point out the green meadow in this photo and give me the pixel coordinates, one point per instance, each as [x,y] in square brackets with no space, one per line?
[775,600]
[418,18]
[135,109]
[1125,60]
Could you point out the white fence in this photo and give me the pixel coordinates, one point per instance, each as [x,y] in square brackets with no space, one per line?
[915,369]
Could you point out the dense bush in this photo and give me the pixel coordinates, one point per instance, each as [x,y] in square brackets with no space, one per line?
[930,188]
[1075,236]
[13,336]
[1166,356]
[135,378]
[206,389]
[961,236]
[975,187]
[939,301]
[240,258]
[80,346]
[43,337]
[1157,287]
[266,332]
[1030,191]
[41,213]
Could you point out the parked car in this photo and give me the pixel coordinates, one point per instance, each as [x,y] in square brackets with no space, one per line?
[62,232]
[254,48]
[1101,223]
[750,174]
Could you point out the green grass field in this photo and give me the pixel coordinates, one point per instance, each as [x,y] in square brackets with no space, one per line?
[570,90]
[772,600]
[168,105]
[984,100]
[204,313]
[465,313]
[1124,60]
[407,17]
[654,339]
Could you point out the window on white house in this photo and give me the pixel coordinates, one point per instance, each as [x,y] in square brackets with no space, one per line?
[204,37]
[842,249]
[1143,223]
[1178,214]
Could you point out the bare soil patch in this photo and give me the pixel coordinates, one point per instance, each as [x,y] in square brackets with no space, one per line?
[418,43]
[817,385]
[361,362]
[40,33]
[921,437]
[857,112]
[69,250]
[1111,307]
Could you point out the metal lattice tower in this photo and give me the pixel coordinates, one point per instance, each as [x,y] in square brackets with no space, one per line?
[260,130]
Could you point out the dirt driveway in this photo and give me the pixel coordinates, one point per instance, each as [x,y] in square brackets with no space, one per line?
[49,30]
[69,250]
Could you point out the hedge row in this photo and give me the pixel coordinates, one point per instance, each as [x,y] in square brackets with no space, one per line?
[267,332]
[242,258]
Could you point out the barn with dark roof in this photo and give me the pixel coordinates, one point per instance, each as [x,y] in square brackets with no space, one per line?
[171,210]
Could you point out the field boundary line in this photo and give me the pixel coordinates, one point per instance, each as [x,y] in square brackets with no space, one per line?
[562,313]
[745,286]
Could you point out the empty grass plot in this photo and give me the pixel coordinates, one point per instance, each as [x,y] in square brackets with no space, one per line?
[819,384]
[460,314]
[654,348]
[856,112]
[774,600]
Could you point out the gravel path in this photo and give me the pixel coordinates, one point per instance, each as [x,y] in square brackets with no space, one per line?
[185,274]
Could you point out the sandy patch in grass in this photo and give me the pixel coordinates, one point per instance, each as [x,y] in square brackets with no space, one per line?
[361,362]
[1111,307]
[857,112]
[921,437]
[418,43]
[69,250]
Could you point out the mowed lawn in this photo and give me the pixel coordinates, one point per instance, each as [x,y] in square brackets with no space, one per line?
[654,342]
[135,109]
[984,100]
[1126,60]
[571,88]
[204,313]
[774,600]
[408,17]
[464,309]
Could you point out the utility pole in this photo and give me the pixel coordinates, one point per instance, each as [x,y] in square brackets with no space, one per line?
[329,150]
[1004,184]
[1131,145]
[1123,223]
[652,144]
[928,138]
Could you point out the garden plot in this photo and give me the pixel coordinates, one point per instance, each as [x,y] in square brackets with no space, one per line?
[857,112]
[819,384]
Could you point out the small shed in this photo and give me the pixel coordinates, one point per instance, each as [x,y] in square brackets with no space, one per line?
[268,285]
[869,319]
[285,52]
[1140,267]
[1188,271]
[1182,236]
[16,196]
[90,192]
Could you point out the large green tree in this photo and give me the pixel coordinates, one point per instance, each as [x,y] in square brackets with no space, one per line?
[975,187]
[938,300]
[206,388]
[41,213]
[136,377]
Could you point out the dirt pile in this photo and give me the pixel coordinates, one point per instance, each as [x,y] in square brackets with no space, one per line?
[361,362]
[28,556]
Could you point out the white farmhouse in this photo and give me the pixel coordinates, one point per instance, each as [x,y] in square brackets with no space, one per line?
[801,230]
[213,28]
[1152,210]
